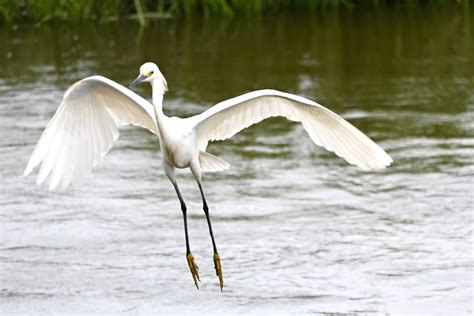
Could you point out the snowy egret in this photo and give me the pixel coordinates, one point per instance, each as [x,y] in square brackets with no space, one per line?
[86,124]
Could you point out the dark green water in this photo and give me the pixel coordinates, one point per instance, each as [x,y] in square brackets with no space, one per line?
[299,230]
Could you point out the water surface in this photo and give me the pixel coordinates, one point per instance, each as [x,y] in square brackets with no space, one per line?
[299,230]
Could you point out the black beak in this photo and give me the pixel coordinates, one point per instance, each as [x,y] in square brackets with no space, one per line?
[139,79]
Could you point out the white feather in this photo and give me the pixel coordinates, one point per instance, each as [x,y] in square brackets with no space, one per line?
[84,129]
[86,124]
[325,128]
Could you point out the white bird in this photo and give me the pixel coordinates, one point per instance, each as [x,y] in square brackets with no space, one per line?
[85,126]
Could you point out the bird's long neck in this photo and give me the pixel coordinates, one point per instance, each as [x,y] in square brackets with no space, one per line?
[158,90]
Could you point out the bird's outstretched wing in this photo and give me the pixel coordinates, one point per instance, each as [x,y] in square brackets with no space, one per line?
[326,128]
[84,128]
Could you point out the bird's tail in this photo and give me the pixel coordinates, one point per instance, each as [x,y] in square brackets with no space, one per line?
[211,163]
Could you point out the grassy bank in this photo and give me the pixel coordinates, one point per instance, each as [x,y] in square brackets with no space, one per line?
[40,11]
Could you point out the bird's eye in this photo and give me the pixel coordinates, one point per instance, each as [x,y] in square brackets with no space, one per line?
[150,73]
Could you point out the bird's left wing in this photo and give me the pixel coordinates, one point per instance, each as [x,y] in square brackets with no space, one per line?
[84,128]
[326,128]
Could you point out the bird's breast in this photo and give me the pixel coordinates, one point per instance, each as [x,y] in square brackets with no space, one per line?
[179,148]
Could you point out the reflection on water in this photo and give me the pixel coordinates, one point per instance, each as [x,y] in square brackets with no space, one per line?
[299,230]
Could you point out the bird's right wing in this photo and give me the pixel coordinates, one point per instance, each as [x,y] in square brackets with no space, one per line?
[326,128]
[84,128]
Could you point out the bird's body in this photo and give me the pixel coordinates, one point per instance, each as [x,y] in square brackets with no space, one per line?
[86,124]
[178,148]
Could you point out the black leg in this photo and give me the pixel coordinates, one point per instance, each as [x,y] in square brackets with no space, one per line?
[217,260]
[191,263]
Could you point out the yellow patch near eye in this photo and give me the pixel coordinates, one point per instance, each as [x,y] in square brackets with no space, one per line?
[149,74]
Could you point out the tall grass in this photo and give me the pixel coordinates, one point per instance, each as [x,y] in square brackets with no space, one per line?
[40,11]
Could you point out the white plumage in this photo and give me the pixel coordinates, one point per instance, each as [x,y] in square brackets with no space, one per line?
[326,128]
[84,128]
[86,124]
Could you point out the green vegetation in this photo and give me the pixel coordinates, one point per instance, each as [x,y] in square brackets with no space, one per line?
[40,11]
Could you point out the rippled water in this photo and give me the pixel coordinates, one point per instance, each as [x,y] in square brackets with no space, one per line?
[299,230]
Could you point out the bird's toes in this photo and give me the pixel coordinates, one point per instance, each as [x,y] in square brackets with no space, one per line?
[193,268]
[218,267]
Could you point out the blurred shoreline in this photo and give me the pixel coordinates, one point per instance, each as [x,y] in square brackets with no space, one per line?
[41,12]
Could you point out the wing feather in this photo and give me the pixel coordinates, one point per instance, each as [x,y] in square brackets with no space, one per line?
[325,128]
[84,128]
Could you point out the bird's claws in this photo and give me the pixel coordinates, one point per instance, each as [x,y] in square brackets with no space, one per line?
[194,269]
[218,267]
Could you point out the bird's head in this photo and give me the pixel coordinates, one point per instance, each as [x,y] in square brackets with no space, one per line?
[149,72]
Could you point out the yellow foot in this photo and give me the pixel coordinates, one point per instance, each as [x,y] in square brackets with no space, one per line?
[218,267]
[193,268]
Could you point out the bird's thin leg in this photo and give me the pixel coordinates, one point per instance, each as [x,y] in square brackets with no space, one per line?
[217,259]
[189,257]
